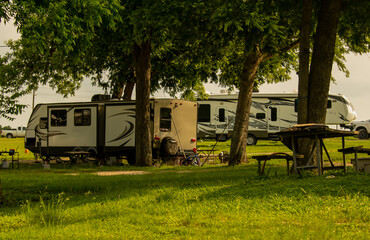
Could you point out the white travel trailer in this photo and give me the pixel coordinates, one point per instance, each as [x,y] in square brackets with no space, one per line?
[270,113]
[106,128]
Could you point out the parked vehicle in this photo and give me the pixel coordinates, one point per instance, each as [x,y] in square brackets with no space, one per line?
[270,113]
[13,133]
[106,128]
[363,128]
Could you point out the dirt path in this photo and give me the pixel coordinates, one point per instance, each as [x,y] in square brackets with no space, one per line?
[112,173]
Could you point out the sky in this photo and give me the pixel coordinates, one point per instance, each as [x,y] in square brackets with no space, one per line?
[356,88]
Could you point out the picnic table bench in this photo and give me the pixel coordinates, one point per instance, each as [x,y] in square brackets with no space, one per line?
[278,155]
[76,156]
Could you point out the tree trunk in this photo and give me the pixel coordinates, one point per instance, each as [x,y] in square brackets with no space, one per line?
[240,132]
[127,94]
[322,60]
[143,138]
[304,61]
[305,145]
[118,89]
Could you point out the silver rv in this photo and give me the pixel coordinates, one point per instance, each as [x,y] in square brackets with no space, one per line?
[106,128]
[270,113]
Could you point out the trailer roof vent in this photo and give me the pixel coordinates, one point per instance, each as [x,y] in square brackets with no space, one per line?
[100,97]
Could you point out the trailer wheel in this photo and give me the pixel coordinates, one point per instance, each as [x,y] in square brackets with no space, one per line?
[9,135]
[221,137]
[363,134]
[251,140]
[169,146]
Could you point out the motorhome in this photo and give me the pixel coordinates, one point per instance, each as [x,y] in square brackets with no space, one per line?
[106,128]
[269,114]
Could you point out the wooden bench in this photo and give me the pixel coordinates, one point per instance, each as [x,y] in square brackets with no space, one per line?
[279,155]
[355,150]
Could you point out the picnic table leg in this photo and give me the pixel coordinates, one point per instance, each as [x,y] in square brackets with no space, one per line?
[344,156]
[259,168]
[294,156]
[356,161]
[318,152]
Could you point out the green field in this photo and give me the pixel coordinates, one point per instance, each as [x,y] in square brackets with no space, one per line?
[172,202]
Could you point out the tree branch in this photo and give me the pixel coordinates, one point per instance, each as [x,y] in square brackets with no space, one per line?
[282,50]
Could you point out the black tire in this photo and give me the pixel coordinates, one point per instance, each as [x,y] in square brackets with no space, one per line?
[251,140]
[9,135]
[221,137]
[362,133]
[169,146]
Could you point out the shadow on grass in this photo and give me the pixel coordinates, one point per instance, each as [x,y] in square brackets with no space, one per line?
[223,183]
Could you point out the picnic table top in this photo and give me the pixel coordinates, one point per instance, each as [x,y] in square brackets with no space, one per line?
[312,130]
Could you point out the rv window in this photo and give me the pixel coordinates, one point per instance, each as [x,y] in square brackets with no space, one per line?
[204,113]
[165,119]
[221,114]
[260,115]
[273,114]
[82,117]
[58,118]
[329,104]
[43,123]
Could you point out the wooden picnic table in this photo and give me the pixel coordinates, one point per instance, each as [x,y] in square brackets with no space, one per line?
[317,132]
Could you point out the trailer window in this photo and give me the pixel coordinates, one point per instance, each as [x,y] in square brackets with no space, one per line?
[82,117]
[58,118]
[43,123]
[329,104]
[165,120]
[204,113]
[260,115]
[273,114]
[221,114]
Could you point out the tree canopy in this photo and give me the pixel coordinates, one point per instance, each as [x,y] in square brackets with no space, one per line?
[175,45]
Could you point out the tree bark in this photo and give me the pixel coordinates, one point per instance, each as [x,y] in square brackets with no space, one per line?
[240,131]
[127,94]
[304,60]
[303,74]
[322,60]
[143,138]
[118,89]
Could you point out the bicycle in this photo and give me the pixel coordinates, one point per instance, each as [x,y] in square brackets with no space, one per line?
[190,160]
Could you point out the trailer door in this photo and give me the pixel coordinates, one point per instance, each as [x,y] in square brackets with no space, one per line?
[273,119]
[222,120]
[74,126]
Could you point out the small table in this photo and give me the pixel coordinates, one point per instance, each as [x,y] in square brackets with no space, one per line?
[355,150]
[317,132]
[11,153]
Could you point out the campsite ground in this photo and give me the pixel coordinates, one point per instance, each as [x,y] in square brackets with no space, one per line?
[173,202]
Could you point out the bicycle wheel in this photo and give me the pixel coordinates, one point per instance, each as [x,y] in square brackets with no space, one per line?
[195,161]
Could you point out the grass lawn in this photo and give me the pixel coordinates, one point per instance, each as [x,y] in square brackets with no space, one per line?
[172,202]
